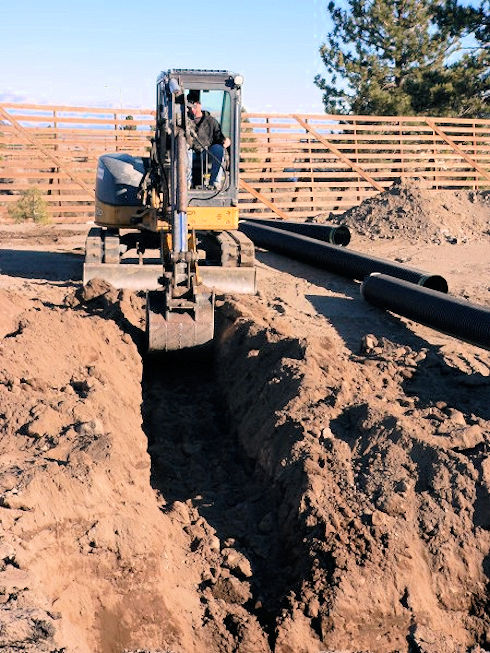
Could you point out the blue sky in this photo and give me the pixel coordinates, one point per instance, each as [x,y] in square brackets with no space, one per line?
[102,53]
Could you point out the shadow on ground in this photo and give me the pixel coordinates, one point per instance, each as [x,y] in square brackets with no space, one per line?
[32,264]
[196,457]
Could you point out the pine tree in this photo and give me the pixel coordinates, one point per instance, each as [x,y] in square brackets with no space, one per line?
[403,57]
[463,86]
[31,205]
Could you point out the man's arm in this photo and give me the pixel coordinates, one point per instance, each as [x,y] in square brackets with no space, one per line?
[218,136]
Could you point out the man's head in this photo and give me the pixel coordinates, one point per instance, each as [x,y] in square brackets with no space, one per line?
[195,108]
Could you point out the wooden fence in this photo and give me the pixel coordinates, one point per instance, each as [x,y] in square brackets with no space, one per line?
[293,166]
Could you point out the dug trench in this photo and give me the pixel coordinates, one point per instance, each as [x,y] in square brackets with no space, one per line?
[286,494]
[227,507]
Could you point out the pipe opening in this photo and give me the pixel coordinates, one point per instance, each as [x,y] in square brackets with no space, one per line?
[434,282]
[341,236]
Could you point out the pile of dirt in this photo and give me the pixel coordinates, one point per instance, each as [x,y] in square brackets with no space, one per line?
[88,561]
[30,232]
[410,211]
[381,460]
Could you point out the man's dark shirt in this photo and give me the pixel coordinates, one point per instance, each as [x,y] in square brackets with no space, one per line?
[208,132]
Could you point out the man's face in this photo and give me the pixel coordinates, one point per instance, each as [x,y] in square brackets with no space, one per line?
[195,108]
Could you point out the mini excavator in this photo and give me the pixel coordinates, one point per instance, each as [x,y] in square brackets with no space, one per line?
[161,227]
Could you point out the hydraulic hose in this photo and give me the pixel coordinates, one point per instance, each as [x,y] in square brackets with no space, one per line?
[336,235]
[347,263]
[456,317]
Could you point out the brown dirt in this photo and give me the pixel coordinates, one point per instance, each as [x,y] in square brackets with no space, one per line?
[417,214]
[321,483]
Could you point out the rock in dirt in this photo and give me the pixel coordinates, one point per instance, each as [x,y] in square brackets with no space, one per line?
[232,590]
[237,562]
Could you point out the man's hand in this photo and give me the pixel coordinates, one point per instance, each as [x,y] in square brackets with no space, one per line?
[226,142]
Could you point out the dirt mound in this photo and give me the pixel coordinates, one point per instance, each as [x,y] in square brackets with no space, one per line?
[31,232]
[408,210]
[83,541]
[384,485]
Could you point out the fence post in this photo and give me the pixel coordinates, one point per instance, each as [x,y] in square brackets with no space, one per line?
[312,180]
[434,153]
[56,148]
[402,151]
[356,150]
[269,152]
[51,180]
[475,155]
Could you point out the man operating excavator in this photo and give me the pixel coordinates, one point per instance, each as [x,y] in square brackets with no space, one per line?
[208,146]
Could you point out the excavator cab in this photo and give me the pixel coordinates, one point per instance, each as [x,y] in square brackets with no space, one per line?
[204,160]
[163,226]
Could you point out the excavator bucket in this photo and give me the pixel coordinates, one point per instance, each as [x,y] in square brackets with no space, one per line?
[173,330]
[173,323]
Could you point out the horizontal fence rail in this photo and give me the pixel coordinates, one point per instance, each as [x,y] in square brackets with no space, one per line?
[291,165]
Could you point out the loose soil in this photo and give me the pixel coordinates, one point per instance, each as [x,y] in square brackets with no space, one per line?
[415,213]
[318,482]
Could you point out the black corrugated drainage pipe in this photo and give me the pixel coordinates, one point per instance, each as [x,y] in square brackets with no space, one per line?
[335,234]
[456,317]
[347,263]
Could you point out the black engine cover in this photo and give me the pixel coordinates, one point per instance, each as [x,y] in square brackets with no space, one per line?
[118,179]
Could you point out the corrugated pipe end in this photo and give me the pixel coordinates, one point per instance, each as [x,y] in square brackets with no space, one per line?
[340,236]
[455,317]
[434,282]
[430,281]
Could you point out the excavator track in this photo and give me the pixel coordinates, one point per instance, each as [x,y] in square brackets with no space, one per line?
[102,246]
[111,246]
[236,249]
[93,247]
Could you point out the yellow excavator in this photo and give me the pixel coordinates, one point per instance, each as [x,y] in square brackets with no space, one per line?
[163,225]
